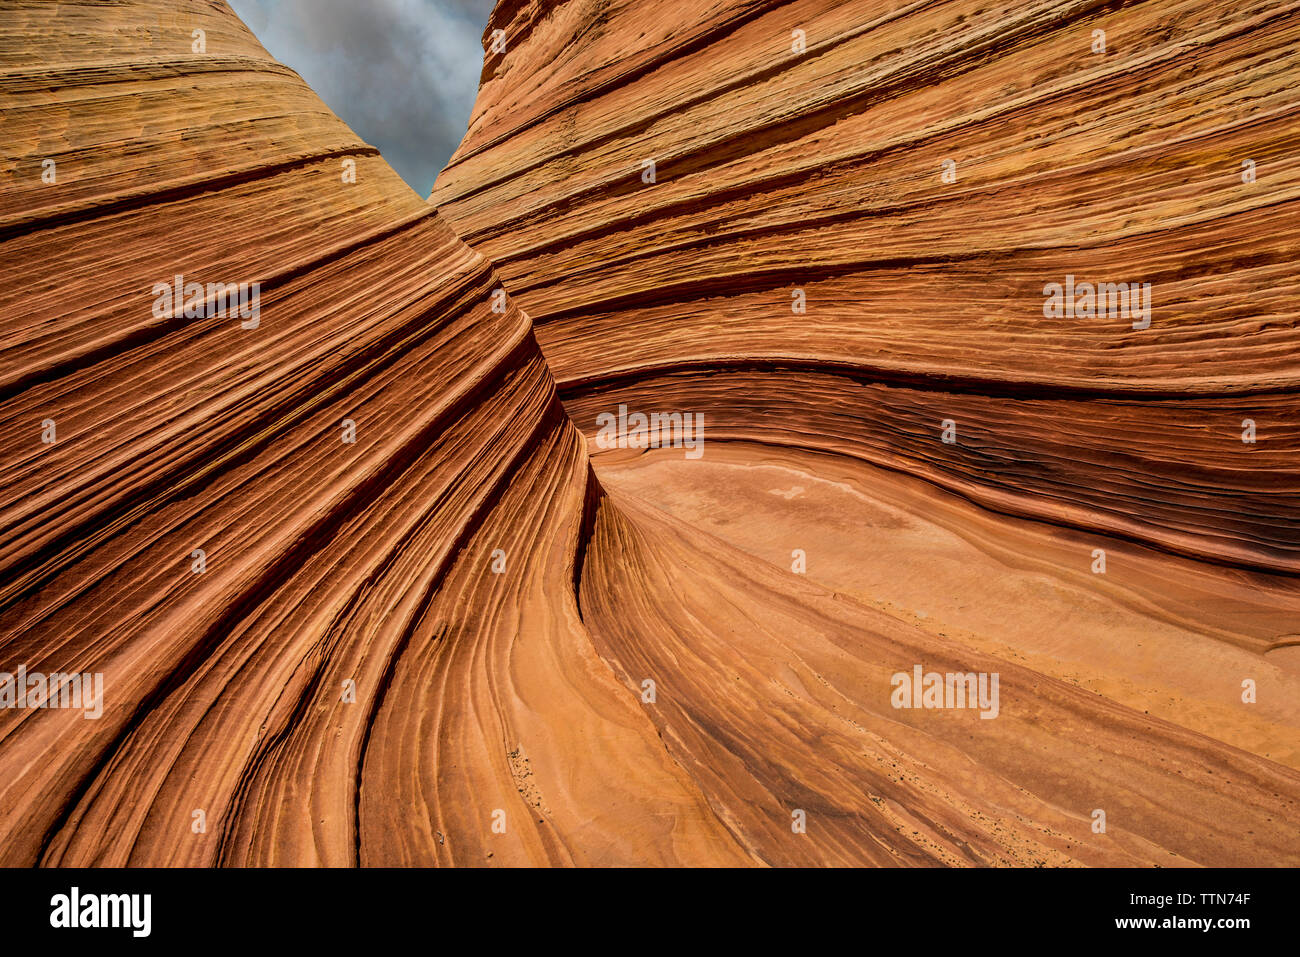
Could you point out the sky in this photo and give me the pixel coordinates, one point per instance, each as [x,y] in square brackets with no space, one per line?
[402,73]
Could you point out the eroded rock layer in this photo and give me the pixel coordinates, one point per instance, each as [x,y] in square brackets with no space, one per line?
[830,232]
[342,561]
[202,529]
[918,172]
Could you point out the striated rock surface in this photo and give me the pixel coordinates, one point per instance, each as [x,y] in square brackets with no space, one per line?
[358,595]
[919,172]
[269,701]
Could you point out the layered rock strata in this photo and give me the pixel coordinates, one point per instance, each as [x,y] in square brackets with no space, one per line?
[355,591]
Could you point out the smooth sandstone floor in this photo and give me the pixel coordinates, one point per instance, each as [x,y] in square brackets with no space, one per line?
[774,692]
[1160,634]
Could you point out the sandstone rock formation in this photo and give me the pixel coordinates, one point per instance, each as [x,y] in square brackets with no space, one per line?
[362,592]
[824,171]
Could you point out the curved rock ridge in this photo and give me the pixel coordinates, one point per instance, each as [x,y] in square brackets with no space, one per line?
[340,568]
[259,531]
[919,173]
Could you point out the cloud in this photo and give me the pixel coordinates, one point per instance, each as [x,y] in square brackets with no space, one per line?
[402,73]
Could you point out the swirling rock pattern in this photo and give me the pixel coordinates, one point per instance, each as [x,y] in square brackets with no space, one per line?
[360,591]
[823,170]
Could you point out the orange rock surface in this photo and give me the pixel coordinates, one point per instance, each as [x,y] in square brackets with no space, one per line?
[362,591]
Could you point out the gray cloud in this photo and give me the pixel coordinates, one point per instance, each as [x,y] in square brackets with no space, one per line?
[402,73]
